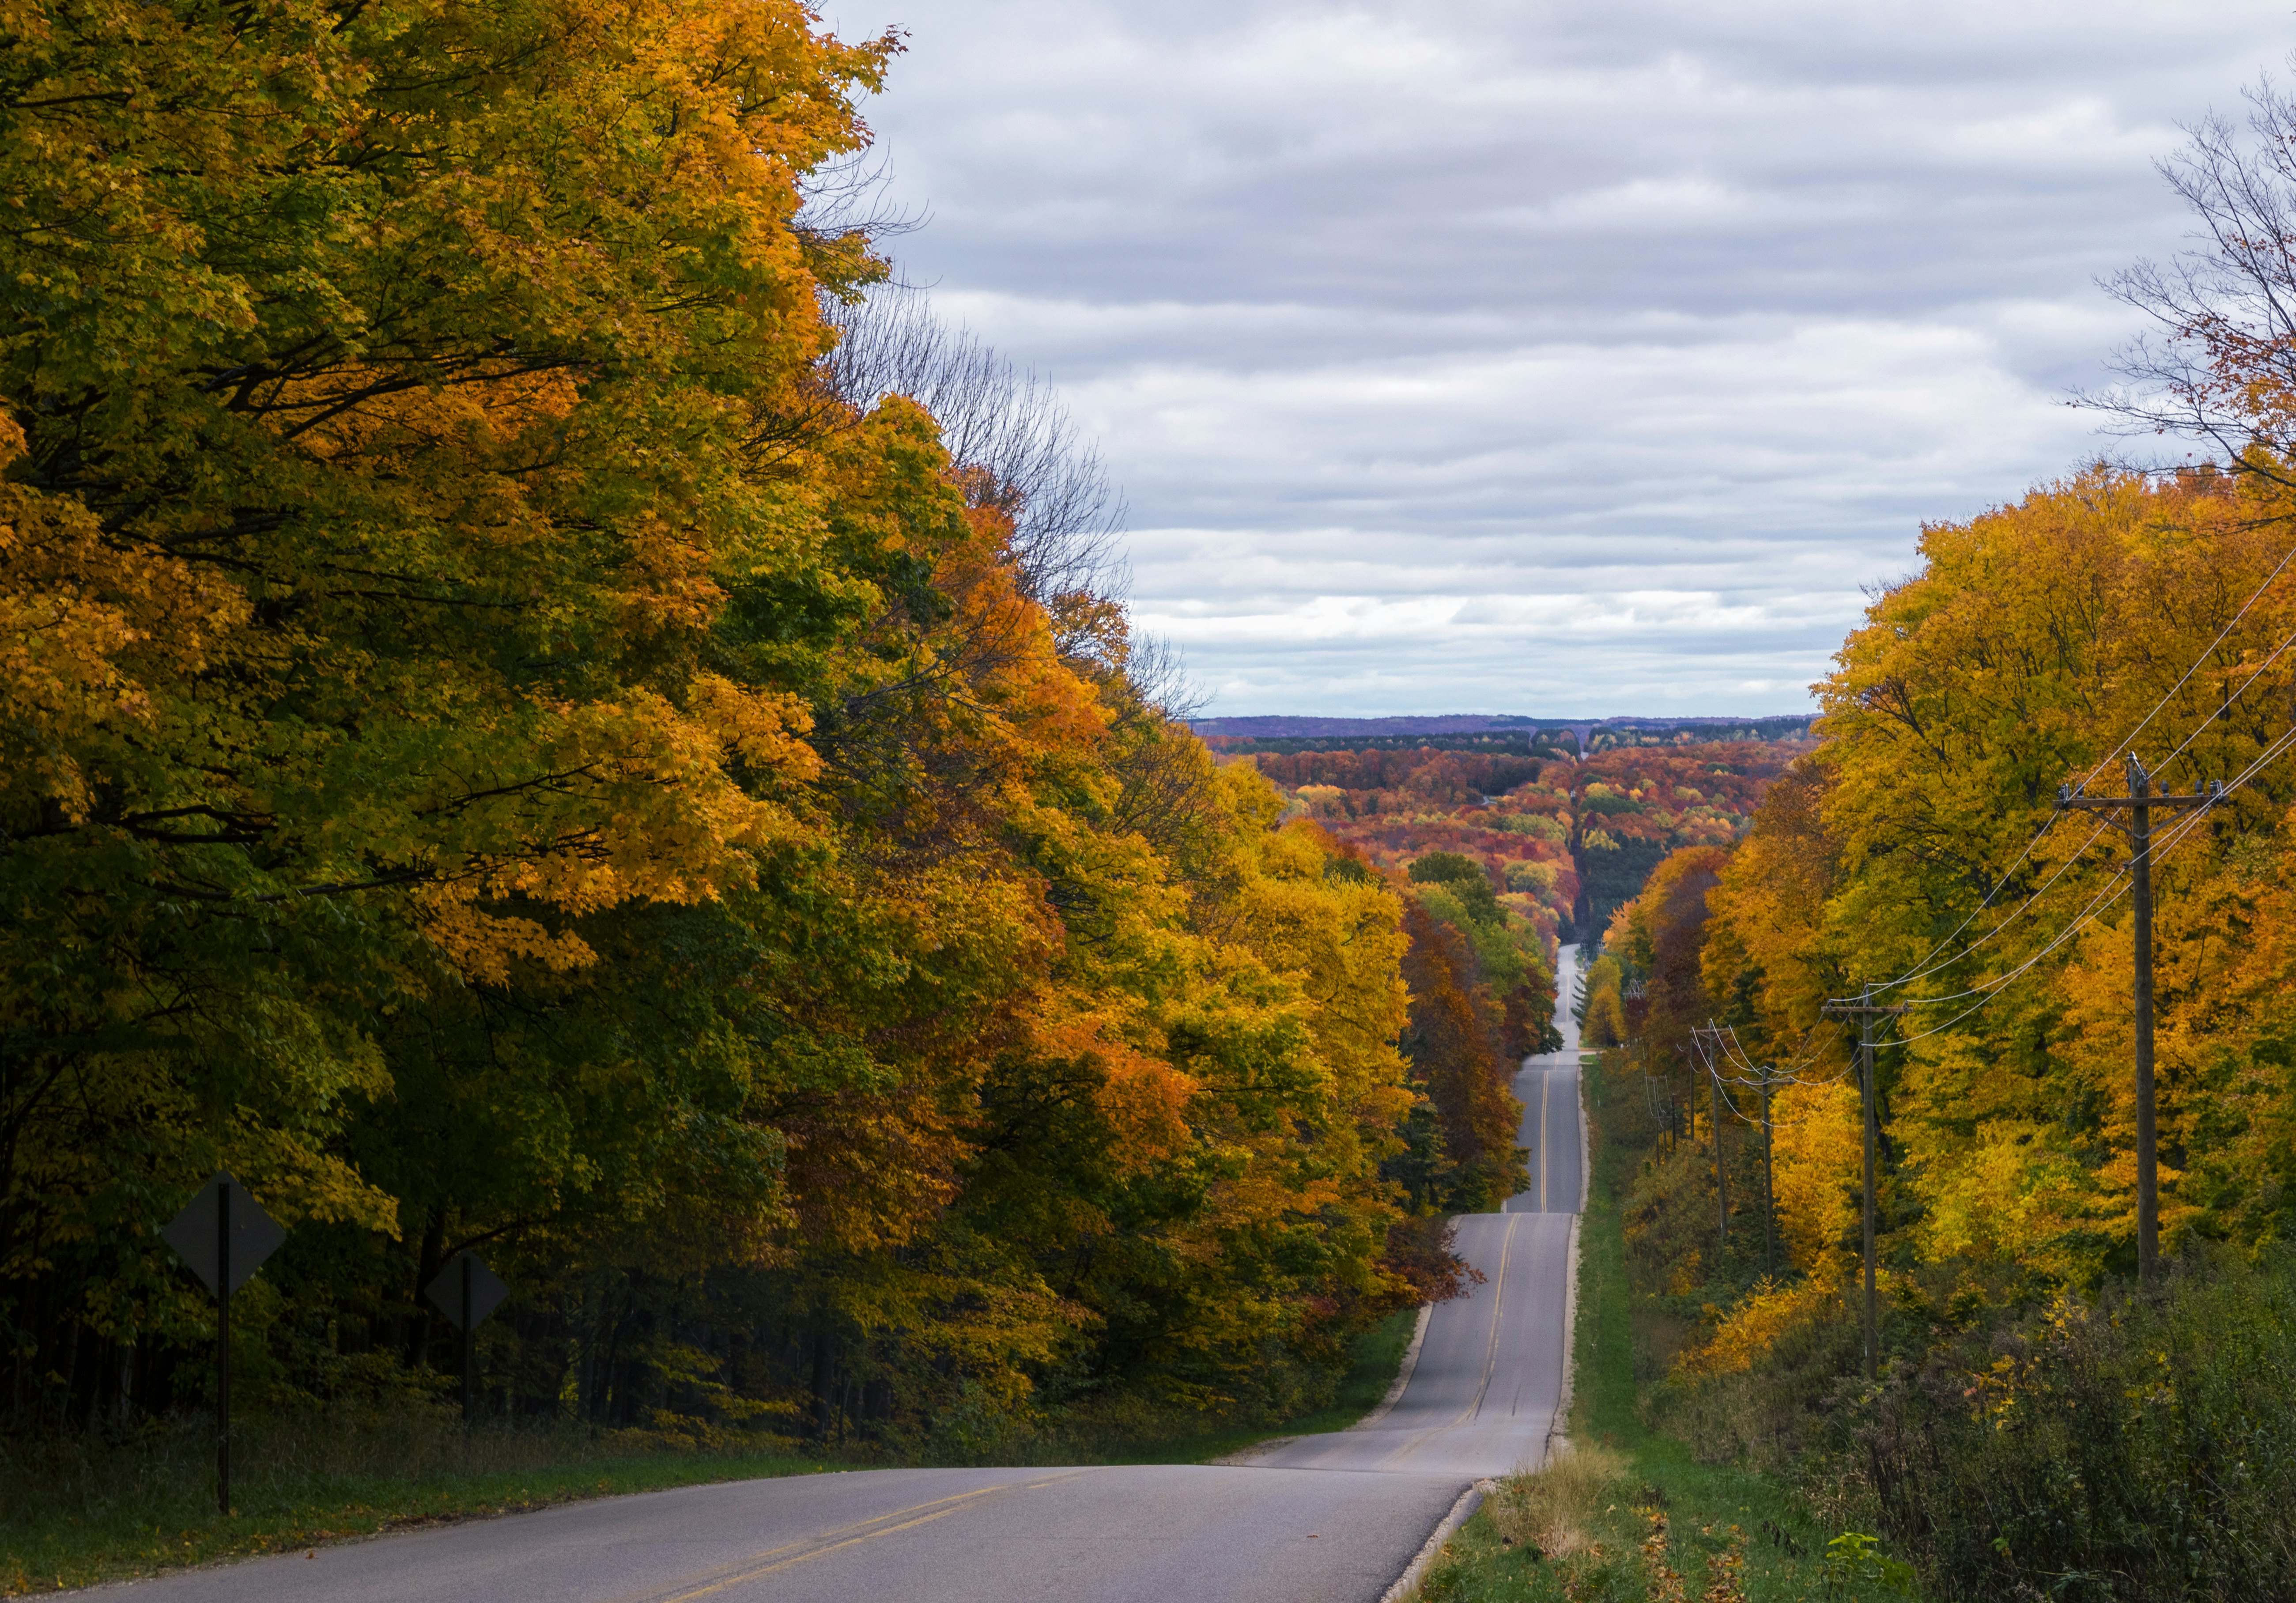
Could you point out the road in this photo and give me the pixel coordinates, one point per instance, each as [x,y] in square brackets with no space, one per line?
[1489,1381]
[1320,1519]
[1131,1534]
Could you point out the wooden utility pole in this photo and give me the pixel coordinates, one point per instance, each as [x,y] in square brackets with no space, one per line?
[2139,803]
[1865,1009]
[1769,1186]
[1762,1079]
[1721,1176]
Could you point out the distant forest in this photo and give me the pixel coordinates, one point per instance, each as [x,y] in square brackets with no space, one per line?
[1545,737]
[1564,841]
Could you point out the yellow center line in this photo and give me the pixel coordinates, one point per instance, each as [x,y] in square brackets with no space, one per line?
[851,1542]
[1498,1308]
[1490,1352]
[710,1582]
[1545,1137]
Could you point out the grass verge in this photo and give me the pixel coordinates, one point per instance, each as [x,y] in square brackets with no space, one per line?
[110,1513]
[1633,1515]
[85,1511]
[1378,1355]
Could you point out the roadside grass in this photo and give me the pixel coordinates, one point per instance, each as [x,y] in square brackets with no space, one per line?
[1378,1355]
[1632,1516]
[79,1511]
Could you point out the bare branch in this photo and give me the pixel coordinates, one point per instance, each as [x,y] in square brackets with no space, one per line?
[2220,369]
[1008,425]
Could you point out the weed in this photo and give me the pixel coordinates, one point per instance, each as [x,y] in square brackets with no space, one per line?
[1854,1560]
[1552,1513]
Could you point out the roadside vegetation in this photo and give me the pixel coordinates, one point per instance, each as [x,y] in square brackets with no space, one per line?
[548,709]
[2043,1412]
[88,1507]
[1633,1512]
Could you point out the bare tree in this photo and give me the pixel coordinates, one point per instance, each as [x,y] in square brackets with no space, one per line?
[1014,442]
[846,195]
[2220,366]
[1008,425]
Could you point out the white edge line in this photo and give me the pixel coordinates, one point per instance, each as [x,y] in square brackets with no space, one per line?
[1555,1430]
[1561,1423]
[1416,1570]
[1402,1374]
[1585,1161]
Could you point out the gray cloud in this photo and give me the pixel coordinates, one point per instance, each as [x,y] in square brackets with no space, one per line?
[1563,358]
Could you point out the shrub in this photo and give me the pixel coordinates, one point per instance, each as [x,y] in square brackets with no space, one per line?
[2135,1448]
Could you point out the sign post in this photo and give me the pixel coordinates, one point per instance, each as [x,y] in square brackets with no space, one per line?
[225,1235]
[466,1291]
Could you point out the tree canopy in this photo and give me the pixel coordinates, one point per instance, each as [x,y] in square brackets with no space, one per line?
[505,747]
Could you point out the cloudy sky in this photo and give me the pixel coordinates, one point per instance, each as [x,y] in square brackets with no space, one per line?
[1560,360]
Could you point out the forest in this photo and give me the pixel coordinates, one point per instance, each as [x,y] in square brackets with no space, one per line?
[2040,1413]
[551,709]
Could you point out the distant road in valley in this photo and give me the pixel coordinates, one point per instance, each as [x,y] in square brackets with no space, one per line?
[1483,1396]
[1318,1520]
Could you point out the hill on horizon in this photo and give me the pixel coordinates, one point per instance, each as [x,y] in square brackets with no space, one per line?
[1281,725]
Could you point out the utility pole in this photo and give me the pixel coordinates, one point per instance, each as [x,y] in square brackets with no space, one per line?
[1864,1010]
[2139,803]
[1769,1186]
[1765,1080]
[1721,1177]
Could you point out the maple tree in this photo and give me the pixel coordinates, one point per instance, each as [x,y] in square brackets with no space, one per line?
[1920,843]
[2044,1407]
[505,747]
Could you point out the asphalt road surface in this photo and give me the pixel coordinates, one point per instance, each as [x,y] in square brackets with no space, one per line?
[1148,1533]
[1485,1392]
[1320,1519]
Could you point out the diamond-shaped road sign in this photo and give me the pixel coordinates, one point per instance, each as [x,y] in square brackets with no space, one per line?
[466,1290]
[224,1233]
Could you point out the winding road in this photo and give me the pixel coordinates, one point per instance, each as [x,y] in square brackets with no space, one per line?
[1316,1519]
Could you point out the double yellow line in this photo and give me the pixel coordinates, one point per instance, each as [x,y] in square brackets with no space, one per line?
[1545,1124]
[806,1549]
[1499,1310]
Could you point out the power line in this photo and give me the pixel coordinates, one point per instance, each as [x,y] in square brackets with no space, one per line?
[2095,833]
[2098,904]
[1923,966]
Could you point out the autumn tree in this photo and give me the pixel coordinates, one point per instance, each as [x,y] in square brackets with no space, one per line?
[509,745]
[1454,1044]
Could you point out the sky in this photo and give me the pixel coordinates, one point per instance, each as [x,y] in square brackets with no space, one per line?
[1566,359]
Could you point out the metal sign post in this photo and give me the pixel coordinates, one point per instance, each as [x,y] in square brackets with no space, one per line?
[466,1291]
[225,1235]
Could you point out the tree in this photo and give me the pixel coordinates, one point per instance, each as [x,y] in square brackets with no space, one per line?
[2222,369]
[503,750]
